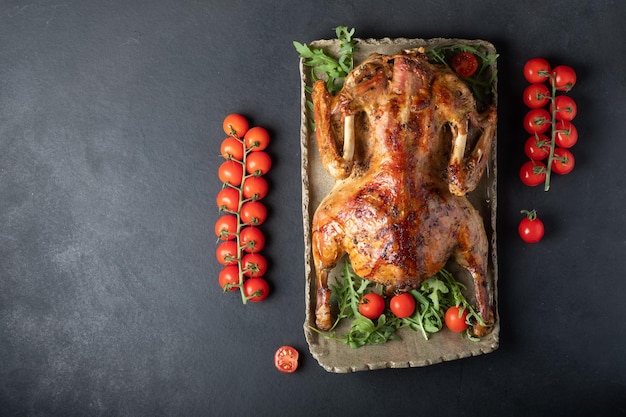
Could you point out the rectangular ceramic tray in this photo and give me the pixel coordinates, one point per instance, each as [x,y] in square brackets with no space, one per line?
[413,350]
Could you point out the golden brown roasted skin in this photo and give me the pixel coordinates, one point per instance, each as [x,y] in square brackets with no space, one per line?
[398,208]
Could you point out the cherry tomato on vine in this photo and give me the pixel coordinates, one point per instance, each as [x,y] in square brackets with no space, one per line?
[254,187]
[533,173]
[402,305]
[253,213]
[231,172]
[253,265]
[563,161]
[536,95]
[232,148]
[286,359]
[251,239]
[226,253]
[531,228]
[566,134]
[536,70]
[372,305]
[537,147]
[537,121]
[465,64]
[229,278]
[456,319]
[228,199]
[256,139]
[564,77]
[256,289]
[565,108]
[226,227]
[235,124]
[258,163]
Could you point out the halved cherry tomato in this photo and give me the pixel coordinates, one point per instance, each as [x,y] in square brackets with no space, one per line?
[232,148]
[229,278]
[235,125]
[533,173]
[563,161]
[402,305]
[228,199]
[258,163]
[226,253]
[536,95]
[286,359]
[253,265]
[251,239]
[566,134]
[231,172]
[537,147]
[226,227]
[536,70]
[372,305]
[530,228]
[253,213]
[256,289]
[465,64]
[564,77]
[456,319]
[537,121]
[565,108]
[256,139]
[255,188]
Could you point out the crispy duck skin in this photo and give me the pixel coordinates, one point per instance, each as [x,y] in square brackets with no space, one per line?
[396,138]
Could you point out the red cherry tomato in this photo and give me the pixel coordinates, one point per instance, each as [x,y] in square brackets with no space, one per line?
[530,228]
[253,213]
[537,121]
[255,188]
[536,70]
[232,148]
[226,227]
[286,359]
[536,95]
[566,134]
[565,108]
[563,161]
[229,278]
[402,305]
[235,125]
[256,139]
[226,253]
[465,64]
[228,199]
[251,239]
[258,163]
[564,77]
[253,265]
[372,305]
[456,319]
[256,289]
[533,173]
[231,172]
[537,147]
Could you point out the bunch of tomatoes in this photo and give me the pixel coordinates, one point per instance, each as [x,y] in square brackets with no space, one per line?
[241,209]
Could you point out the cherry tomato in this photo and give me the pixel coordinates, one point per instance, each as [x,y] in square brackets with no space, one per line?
[253,213]
[530,228]
[258,163]
[253,265]
[286,359]
[229,278]
[565,108]
[537,147]
[226,253]
[563,161]
[255,188]
[533,173]
[372,305]
[228,199]
[566,134]
[537,121]
[256,289]
[456,319]
[402,305]
[231,172]
[232,148]
[564,77]
[465,64]
[256,139]
[536,70]
[536,95]
[226,227]
[235,125]
[251,239]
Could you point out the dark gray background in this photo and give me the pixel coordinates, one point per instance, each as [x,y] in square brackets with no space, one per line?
[110,124]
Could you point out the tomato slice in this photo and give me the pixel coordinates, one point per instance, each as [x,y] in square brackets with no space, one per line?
[286,359]
[465,64]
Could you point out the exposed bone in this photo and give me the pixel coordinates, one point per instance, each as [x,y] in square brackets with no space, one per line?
[459,142]
[348,138]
